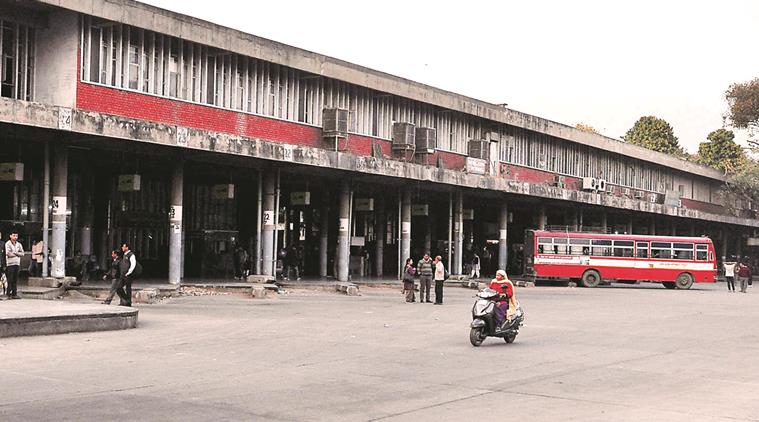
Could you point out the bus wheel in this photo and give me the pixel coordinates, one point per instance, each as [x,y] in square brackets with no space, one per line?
[669,284]
[591,278]
[684,281]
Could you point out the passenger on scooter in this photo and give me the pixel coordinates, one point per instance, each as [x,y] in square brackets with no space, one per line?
[506,298]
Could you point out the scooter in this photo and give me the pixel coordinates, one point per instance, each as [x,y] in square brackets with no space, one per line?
[484,321]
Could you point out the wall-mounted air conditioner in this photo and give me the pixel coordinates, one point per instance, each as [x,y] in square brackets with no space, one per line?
[426,140]
[589,183]
[335,122]
[559,181]
[626,192]
[479,148]
[404,135]
[639,194]
[654,198]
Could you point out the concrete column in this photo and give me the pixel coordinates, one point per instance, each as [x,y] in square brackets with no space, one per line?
[738,245]
[542,218]
[692,228]
[652,227]
[630,226]
[406,225]
[60,196]
[380,226]
[428,233]
[575,220]
[343,234]
[503,229]
[673,229]
[45,210]
[604,222]
[458,233]
[723,235]
[324,236]
[580,222]
[267,231]
[175,224]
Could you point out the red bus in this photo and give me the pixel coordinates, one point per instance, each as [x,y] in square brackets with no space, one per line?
[592,258]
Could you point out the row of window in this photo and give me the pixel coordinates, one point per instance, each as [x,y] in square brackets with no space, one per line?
[132,58]
[622,248]
[17,60]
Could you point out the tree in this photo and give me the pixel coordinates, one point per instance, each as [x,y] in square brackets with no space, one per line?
[742,185]
[586,128]
[722,152]
[743,99]
[656,134]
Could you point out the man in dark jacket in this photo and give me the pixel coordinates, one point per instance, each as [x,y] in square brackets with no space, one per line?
[126,268]
[426,269]
[114,274]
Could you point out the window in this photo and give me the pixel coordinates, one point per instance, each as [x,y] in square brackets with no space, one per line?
[601,248]
[682,251]
[16,60]
[701,252]
[642,249]
[134,66]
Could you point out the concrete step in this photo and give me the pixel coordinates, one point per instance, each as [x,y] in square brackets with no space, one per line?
[44,282]
[24,318]
[44,293]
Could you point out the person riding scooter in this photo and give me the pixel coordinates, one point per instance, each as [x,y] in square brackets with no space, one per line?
[507,299]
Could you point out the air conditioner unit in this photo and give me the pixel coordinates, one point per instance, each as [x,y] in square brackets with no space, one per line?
[403,135]
[626,192]
[559,181]
[426,140]
[601,185]
[479,148]
[610,189]
[639,194]
[654,198]
[335,122]
[589,183]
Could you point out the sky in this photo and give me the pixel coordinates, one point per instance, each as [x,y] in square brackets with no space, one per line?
[601,63]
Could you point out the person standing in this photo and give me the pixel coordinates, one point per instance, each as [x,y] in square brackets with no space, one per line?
[426,270]
[408,280]
[127,267]
[35,264]
[114,275]
[439,279]
[744,275]
[730,274]
[475,266]
[13,253]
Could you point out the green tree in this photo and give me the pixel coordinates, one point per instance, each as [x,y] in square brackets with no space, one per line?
[654,133]
[722,152]
[743,99]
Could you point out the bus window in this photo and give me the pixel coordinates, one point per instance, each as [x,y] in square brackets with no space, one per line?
[682,251]
[601,247]
[701,252]
[585,250]
[623,252]
[660,253]
[642,249]
[540,248]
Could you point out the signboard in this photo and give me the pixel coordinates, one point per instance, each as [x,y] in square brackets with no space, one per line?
[752,241]
[226,191]
[364,204]
[476,166]
[268,218]
[344,224]
[182,136]
[175,213]
[129,182]
[64,118]
[300,198]
[672,198]
[406,227]
[420,210]
[11,172]
[358,241]
[59,205]
[467,214]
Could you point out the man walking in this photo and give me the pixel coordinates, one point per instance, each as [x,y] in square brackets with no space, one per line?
[113,275]
[128,264]
[730,274]
[744,275]
[425,270]
[439,279]
[13,253]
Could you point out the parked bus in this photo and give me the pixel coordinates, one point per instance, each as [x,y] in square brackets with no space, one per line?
[592,258]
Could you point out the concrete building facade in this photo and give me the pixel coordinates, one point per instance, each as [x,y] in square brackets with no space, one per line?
[135,124]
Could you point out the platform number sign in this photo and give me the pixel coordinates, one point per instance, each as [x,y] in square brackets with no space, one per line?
[268,218]
[64,118]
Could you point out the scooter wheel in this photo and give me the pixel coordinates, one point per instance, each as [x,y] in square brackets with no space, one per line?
[476,337]
[509,338]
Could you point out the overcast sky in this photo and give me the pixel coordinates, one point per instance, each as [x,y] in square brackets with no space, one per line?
[603,63]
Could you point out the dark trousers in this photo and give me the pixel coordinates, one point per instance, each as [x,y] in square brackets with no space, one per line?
[115,285]
[425,282]
[124,290]
[11,273]
[438,291]
[730,283]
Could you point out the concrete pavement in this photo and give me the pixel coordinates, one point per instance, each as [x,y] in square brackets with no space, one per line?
[624,353]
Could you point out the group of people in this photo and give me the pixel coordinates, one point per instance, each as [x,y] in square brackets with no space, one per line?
[122,270]
[741,270]
[427,270]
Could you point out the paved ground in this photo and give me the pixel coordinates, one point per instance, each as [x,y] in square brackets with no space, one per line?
[606,354]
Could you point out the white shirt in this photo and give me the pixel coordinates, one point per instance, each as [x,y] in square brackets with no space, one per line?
[439,271]
[132,262]
[730,269]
